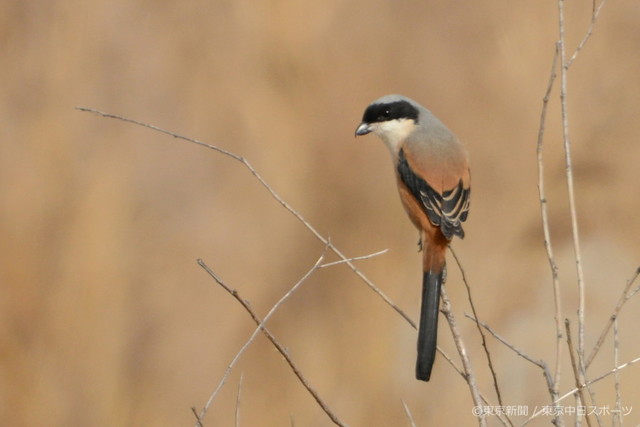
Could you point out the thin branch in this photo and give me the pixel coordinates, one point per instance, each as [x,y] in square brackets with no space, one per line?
[577,373]
[624,297]
[358,258]
[557,297]
[539,363]
[482,336]
[460,372]
[195,414]
[616,359]
[560,52]
[595,13]
[315,267]
[466,363]
[590,382]
[256,331]
[276,344]
[238,401]
[594,403]
[273,193]
[606,374]
[408,412]
[570,188]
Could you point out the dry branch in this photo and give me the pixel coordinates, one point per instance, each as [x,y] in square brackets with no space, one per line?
[482,336]
[590,382]
[466,363]
[624,297]
[276,344]
[564,68]
[557,297]
[326,241]
[577,373]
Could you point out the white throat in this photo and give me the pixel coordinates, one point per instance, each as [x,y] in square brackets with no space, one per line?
[394,132]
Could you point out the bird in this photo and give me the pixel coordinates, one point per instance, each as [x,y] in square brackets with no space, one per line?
[432,173]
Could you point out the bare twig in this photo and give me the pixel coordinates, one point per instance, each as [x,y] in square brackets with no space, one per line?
[195,414]
[624,297]
[592,396]
[256,331]
[238,401]
[617,420]
[595,13]
[408,412]
[276,344]
[590,382]
[358,258]
[570,187]
[466,363]
[482,336]
[606,374]
[315,267]
[539,363]
[557,297]
[273,193]
[577,373]
[565,64]
[460,372]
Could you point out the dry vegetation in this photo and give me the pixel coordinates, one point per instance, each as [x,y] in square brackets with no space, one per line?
[106,318]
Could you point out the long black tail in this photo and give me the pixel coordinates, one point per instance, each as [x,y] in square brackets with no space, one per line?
[428,328]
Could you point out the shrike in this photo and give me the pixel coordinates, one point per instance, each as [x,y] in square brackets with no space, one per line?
[433,181]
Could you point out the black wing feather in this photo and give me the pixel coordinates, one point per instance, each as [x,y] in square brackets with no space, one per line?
[447,210]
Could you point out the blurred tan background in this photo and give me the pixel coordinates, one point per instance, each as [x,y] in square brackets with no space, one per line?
[107,320]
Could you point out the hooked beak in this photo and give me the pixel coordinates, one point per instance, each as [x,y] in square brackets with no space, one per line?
[363,129]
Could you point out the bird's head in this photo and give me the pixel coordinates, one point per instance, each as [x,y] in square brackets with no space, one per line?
[392,118]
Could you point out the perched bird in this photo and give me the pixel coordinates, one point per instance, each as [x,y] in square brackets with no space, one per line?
[434,184]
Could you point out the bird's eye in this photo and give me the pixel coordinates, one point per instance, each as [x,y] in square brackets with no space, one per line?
[385,114]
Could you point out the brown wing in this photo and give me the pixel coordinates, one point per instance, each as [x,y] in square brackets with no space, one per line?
[447,210]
